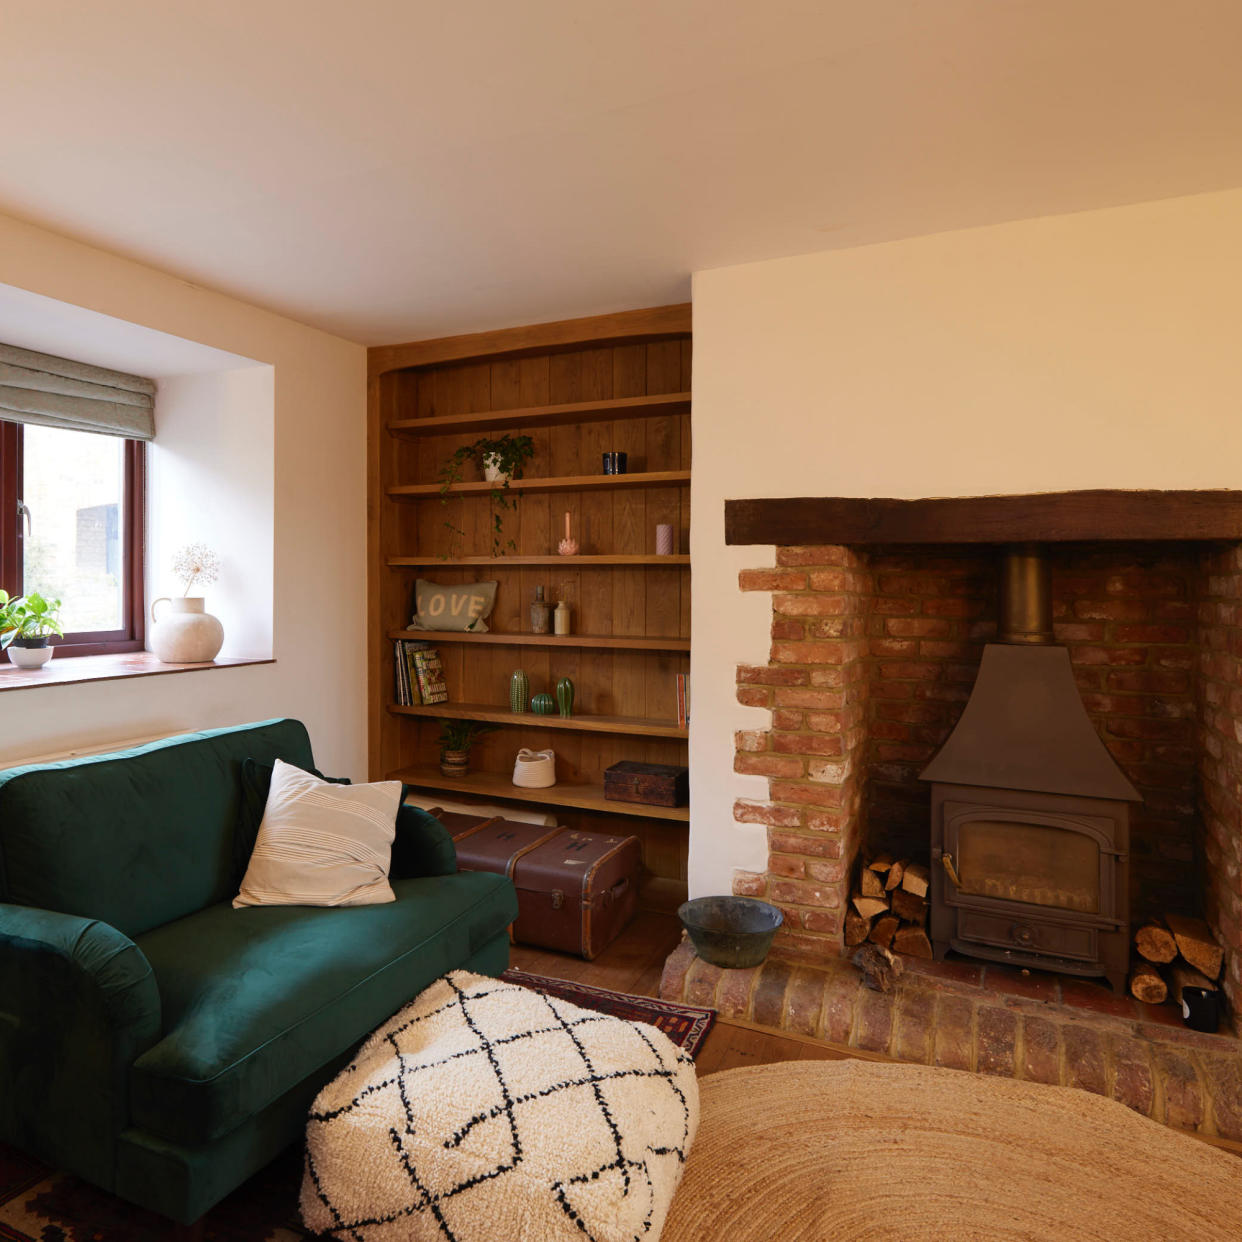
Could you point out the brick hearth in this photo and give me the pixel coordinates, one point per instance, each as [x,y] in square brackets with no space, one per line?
[993,1020]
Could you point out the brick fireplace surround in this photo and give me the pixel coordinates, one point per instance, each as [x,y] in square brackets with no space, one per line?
[875,647]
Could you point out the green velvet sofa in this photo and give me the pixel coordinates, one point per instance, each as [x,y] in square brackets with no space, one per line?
[154,1040]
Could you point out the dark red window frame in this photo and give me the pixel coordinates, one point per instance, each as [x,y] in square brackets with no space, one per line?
[132,634]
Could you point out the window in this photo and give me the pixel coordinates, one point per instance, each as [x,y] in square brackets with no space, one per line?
[72,527]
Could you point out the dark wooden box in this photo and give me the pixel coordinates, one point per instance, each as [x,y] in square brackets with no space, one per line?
[656,784]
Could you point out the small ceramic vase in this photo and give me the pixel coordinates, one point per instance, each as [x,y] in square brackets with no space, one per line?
[664,539]
[560,618]
[519,690]
[186,633]
[540,613]
[565,696]
[543,705]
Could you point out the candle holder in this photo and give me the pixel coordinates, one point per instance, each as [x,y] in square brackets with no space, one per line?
[567,546]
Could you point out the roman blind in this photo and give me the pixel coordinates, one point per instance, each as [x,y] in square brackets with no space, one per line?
[56,392]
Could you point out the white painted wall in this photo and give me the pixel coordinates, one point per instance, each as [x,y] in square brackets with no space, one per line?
[212,475]
[314,457]
[1092,350]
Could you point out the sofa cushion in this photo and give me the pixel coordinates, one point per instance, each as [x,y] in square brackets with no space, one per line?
[139,837]
[322,844]
[256,999]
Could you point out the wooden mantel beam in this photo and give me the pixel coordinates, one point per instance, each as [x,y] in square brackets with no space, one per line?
[1043,517]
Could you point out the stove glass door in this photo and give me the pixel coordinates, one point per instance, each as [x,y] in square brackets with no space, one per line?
[1033,863]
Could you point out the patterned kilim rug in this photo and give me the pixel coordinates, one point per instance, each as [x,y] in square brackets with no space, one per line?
[38,1205]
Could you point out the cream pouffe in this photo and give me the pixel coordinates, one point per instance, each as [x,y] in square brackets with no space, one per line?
[485,1112]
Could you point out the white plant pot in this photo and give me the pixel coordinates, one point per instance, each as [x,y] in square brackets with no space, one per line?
[492,472]
[185,633]
[30,657]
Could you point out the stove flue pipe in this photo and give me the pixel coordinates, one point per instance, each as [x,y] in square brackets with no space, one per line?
[1025,596]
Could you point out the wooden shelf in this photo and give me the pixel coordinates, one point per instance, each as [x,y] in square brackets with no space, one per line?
[566,483]
[488,785]
[632,726]
[513,562]
[617,642]
[544,415]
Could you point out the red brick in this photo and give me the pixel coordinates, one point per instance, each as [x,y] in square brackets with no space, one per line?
[751,740]
[1084,1058]
[1041,1050]
[1150,680]
[1133,1084]
[768,765]
[837,580]
[916,1010]
[897,607]
[799,697]
[784,719]
[672,980]
[753,674]
[875,1021]
[917,627]
[808,554]
[787,629]
[768,996]
[944,651]
[771,580]
[814,605]
[1107,655]
[1112,610]
[749,884]
[748,812]
[837,1014]
[1079,631]
[996,1040]
[733,992]
[805,744]
[804,998]
[913,584]
[953,1044]
[890,647]
[825,722]
[909,670]
[828,921]
[814,846]
[809,652]
[1151,634]
[1031,984]
[804,893]
[786,865]
[1152,730]
[701,980]
[827,872]
[1183,1093]
[958,607]
[1223,1078]
[825,821]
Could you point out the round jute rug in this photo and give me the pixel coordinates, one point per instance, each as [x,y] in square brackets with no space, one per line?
[812,1151]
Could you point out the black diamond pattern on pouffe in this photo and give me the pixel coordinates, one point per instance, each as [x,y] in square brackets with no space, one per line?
[485,1111]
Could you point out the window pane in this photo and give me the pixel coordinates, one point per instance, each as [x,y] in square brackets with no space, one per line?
[74,489]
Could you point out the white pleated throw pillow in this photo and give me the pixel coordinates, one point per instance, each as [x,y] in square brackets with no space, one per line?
[322,844]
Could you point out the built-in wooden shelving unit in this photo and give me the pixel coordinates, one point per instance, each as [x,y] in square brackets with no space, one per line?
[578,389]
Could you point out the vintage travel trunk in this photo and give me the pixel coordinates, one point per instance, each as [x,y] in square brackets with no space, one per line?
[656,784]
[576,890]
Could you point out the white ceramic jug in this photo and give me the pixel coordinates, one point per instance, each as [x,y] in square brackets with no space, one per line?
[185,634]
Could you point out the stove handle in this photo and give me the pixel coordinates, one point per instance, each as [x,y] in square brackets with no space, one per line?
[951,870]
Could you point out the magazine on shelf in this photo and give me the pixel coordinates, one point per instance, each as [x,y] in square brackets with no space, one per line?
[430,675]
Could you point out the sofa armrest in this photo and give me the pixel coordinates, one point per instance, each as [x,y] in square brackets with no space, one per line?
[422,846]
[78,1003]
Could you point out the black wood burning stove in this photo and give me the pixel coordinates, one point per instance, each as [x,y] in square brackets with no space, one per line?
[1030,817]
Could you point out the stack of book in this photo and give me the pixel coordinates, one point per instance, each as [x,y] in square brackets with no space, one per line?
[418,673]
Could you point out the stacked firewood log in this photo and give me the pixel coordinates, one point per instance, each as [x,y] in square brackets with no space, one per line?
[1175,953]
[889,907]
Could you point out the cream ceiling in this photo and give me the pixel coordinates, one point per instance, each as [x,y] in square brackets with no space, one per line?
[395,170]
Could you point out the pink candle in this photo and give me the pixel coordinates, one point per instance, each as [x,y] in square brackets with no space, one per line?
[566,523]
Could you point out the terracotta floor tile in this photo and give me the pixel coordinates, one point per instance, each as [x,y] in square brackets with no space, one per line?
[1098,998]
[1031,984]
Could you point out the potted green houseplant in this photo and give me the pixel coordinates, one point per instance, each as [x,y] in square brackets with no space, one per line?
[26,624]
[500,460]
[456,739]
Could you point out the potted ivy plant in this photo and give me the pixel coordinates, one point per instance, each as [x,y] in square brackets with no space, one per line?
[456,739]
[500,460]
[26,624]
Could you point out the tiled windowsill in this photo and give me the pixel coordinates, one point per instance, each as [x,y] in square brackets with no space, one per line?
[71,670]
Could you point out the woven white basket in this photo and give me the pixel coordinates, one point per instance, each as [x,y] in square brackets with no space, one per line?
[534,769]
